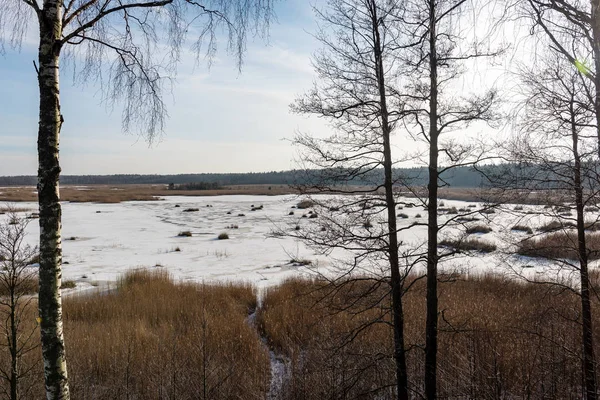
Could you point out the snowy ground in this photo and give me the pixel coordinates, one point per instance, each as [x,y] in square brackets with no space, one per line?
[101,241]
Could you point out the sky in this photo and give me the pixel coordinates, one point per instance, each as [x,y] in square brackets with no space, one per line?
[220,120]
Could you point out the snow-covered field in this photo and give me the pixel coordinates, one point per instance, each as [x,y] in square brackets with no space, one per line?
[101,241]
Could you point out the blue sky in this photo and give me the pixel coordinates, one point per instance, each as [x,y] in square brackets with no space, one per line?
[220,120]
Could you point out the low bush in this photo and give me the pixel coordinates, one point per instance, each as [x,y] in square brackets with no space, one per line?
[223,236]
[191,210]
[184,234]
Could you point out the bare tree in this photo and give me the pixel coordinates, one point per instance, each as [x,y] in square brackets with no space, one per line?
[572,30]
[357,69]
[118,43]
[17,286]
[439,43]
[556,148]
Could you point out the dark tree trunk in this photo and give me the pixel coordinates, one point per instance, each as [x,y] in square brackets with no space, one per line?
[432,222]
[396,278]
[595,19]
[14,346]
[589,365]
[53,349]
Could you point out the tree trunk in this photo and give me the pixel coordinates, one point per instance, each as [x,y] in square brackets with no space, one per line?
[13,343]
[589,365]
[396,279]
[53,348]
[595,20]
[432,222]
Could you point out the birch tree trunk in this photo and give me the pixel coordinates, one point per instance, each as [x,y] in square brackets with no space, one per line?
[50,307]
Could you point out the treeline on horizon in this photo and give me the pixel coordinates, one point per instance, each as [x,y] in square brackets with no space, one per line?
[459,177]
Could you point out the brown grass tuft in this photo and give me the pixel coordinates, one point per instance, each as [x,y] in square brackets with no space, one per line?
[468,245]
[560,245]
[478,229]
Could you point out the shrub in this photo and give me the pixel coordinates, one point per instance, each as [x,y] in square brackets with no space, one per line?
[487,211]
[367,224]
[313,215]
[232,226]
[518,208]
[223,236]
[478,229]
[184,234]
[291,213]
[522,228]
[402,215]
[418,216]
[469,245]
[191,210]
[241,215]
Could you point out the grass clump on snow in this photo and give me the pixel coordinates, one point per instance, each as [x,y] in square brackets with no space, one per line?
[223,236]
[522,228]
[68,284]
[478,229]
[185,234]
[468,245]
[558,245]
[555,225]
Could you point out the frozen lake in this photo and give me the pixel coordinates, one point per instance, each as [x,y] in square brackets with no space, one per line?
[101,241]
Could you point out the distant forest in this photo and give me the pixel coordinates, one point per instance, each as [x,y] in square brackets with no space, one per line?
[457,177]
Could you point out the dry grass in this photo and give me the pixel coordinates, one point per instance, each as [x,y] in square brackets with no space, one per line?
[556,225]
[522,228]
[498,339]
[468,245]
[119,193]
[152,338]
[560,245]
[479,228]
[28,284]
